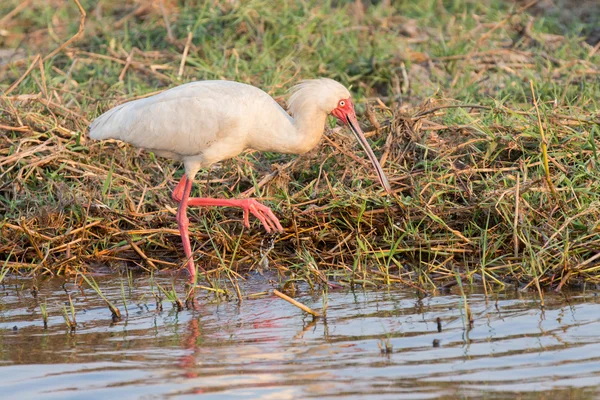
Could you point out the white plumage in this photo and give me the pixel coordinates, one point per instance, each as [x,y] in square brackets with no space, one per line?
[204,122]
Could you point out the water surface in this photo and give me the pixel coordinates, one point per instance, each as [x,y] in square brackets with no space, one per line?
[265,348]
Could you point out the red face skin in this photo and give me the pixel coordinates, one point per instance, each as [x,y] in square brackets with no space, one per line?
[344,108]
[345,113]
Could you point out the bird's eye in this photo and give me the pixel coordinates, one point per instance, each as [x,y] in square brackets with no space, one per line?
[342,103]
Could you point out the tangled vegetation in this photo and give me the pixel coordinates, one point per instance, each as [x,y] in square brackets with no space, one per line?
[485,118]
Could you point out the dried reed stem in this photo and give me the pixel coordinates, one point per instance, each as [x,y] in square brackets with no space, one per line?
[296,303]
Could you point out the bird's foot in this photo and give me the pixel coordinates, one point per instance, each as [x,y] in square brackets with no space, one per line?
[248,206]
[262,213]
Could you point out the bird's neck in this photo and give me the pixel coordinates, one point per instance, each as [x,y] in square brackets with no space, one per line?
[292,135]
[308,129]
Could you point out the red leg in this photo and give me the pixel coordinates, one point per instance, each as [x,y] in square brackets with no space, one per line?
[178,191]
[260,211]
[184,222]
[181,194]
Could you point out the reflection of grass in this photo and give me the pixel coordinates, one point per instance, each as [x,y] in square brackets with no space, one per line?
[486,124]
[468,315]
[171,295]
[44,311]
[124,298]
[116,314]
[385,344]
[70,320]
[325,304]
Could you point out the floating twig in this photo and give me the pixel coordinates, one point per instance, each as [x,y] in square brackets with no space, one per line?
[296,303]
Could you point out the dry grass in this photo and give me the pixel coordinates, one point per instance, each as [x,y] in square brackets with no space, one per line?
[486,123]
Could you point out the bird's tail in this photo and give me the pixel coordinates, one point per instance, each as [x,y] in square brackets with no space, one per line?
[106,126]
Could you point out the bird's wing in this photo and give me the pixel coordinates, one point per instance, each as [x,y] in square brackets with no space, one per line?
[182,126]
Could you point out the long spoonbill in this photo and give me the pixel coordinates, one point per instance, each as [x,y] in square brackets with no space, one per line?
[204,122]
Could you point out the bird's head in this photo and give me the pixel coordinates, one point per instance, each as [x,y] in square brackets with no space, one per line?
[333,98]
[345,113]
[343,110]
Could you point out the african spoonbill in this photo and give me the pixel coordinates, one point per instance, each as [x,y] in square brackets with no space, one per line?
[201,123]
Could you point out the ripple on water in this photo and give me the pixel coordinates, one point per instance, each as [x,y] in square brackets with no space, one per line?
[266,348]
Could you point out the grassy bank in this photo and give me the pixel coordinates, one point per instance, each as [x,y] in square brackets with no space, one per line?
[485,118]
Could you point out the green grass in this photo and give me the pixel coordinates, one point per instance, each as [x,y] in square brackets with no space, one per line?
[471,199]
[116,314]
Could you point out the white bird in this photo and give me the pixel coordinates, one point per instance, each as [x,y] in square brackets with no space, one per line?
[201,123]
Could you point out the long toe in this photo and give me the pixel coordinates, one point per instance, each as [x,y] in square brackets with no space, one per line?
[266,216]
[269,216]
[274,219]
[263,220]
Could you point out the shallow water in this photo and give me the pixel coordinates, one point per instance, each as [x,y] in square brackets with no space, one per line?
[266,348]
